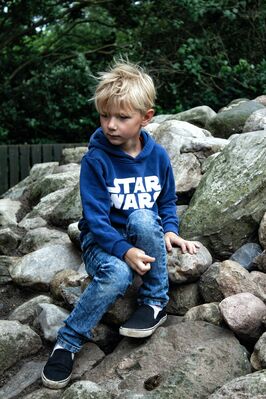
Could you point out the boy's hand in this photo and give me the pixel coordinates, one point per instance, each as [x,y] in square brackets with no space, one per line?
[186,246]
[138,260]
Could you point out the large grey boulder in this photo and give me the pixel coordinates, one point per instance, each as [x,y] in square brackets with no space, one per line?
[9,240]
[16,342]
[51,317]
[53,182]
[231,119]
[192,359]
[182,298]
[40,237]
[230,200]
[250,386]
[209,312]
[37,269]
[199,116]
[73,155]
[85,390]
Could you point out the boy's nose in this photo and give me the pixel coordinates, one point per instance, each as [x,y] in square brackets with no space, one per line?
[112,123]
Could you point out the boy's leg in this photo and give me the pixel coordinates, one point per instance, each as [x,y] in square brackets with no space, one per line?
[144,230]
[111,278]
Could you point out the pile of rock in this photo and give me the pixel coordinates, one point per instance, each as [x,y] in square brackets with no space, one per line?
[214,342]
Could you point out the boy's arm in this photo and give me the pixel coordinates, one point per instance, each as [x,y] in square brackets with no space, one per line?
[96,205]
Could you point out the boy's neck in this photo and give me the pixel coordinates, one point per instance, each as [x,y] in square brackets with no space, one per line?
[133,148]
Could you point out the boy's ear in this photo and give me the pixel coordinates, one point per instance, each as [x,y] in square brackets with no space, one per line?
[147,117]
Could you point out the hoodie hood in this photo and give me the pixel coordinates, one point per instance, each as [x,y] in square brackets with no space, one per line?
[99,141]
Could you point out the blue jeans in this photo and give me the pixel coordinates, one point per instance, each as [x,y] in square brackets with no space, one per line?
[112,277]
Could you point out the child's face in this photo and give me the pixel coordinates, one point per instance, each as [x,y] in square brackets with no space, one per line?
[122,127]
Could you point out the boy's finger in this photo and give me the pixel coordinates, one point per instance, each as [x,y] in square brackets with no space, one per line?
[148,259]
[168,244]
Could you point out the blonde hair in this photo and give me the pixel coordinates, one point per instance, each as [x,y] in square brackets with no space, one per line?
[124,86]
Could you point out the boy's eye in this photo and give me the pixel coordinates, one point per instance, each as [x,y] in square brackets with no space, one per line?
[124,116]
[103,115]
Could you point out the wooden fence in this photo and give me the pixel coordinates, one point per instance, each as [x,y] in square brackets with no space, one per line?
[17,160]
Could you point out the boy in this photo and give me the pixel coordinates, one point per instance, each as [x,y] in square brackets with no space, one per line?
[129,217]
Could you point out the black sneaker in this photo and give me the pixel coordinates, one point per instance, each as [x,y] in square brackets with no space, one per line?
[142,323]
[58,369]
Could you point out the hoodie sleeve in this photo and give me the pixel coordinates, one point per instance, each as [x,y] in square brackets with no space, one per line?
[167,201]
[96,205]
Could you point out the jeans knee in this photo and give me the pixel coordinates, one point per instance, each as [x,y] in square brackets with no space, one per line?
[116,277]
[143,221]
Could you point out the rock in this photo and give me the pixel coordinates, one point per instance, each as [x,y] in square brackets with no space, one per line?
[250,386]
[256,121]
[198,116]
[261,99]
[106,337]
[193,359]
[259,279]
[182,298]
[69,167]
[262,231]
[89,356]
[15,193]
[68,210]
[26,376]
[40,237]
[27,312]
[243,313]
[208,312]
[186,267]
[44,393]
[231,119]
[73,155]
[5,263]
[39,170]
[64,278]
[225,211]
[260,261]
[38,268]
[50,319]
[8,212]
[16,341]
[151,127]
[246,254]
[258,357]
[9,241]
[85,390]
[208,284]
[74,233]
[233,279]
[29,224]
[51,183]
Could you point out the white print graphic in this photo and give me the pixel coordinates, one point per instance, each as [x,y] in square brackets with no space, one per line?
[135,192]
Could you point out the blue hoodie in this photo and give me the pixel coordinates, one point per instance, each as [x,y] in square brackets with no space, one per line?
[113,184]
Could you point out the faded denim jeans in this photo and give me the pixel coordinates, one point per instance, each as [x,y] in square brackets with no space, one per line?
[112,277]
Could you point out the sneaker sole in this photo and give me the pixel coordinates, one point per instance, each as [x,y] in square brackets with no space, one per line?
[134,333]
[55,384]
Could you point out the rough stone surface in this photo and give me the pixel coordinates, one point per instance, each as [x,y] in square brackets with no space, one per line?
[231,119]
[246,254]
[262,231]
[27,312]
[16,341]
[44,393]
[256,121]
[251,386]
[193,358]
[37,269]
[199,116]
[26,376]
[50,319]
[85,390]
[186,267]
[9,241]
[41,236]
[8,211]
[182,298]
[208,312]
[243,313]
[258,357]
[73,155]
[259,279]
[232,193]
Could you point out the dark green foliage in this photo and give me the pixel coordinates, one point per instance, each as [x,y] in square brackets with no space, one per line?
[198,51]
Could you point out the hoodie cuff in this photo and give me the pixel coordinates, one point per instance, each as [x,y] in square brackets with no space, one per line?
[120,248]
